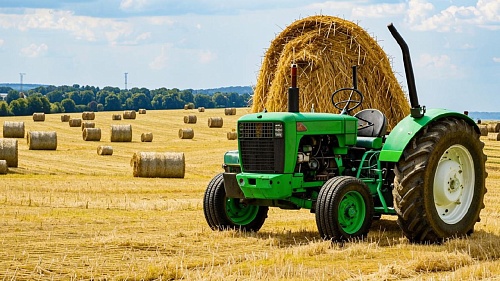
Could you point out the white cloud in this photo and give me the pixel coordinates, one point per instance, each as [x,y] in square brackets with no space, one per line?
[438,66]
[418,10]
[1,42]
[206,56]
[160,62]
[133,5]
[33,51]
[496,59]
[332,5]
[379,10]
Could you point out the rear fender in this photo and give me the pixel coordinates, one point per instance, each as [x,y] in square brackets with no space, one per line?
[406,130]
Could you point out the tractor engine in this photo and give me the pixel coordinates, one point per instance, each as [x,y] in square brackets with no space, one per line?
[315,158]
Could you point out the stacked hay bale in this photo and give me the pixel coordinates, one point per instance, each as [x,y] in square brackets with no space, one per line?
[105,150]
[12,129]
[65,118]
[42,140]
[147,137]
[88,115]
[215,122]
[9,151]
[325,48]
[190,119]
[38,116]
[129,114]
[158,165]
[121,133]
[88,125]
[230,111]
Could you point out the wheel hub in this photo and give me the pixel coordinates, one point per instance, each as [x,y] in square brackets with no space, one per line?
[449,179]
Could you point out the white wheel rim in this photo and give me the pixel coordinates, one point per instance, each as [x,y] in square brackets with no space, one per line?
[454,184]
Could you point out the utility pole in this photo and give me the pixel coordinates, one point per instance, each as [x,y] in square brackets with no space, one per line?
[126,73]
[21,75]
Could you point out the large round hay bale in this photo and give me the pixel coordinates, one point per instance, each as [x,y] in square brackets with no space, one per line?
[483,129]
[12,129]
[230,111]
[9,151]
[186,107]
[3,167]
[147,137]
[75,122]
[232,135]
[42,140]
[158,165]
[104,150]
[121,133]
[88,125]
[142,111]
[201,109]
[494,127]
[38,116]
[215,122]
[325,48]
[88,115]
[91,134]
[116,117]
[186,133]
[65,118]
[190,119]
[494,136]
[129,114]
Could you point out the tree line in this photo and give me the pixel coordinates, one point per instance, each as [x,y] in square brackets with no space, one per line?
[76,98]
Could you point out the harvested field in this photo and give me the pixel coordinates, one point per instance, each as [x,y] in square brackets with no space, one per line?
[88,218]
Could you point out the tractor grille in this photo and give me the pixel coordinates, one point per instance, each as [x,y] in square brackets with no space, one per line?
[261,151]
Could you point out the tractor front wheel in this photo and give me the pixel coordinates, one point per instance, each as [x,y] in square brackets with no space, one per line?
[344,209]
[222,212]
[440,182]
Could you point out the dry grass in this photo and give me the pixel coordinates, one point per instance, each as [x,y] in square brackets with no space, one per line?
[88,218]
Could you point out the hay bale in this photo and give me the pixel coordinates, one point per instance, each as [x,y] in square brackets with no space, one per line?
[38,116]
[91,134]
[116,117]
[232,135]
[121,133]
[88,125]
[129,114]
[201,109]
[494,136]
[190,119]
[88,115]
[158,165]
[215,122]
[76,122]
[187,133]
[65,118]
[230,111]
[3,167]
[42,140]
[186,107]
[104,150]
[142,111]
[12,129]
[494,127]
[147,137]
[9,151]
[325,48]
[483,129]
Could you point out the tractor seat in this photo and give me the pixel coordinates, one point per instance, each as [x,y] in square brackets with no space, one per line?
[371,123]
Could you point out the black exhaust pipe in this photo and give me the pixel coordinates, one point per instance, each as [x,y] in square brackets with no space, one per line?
[293,91]
[416,110]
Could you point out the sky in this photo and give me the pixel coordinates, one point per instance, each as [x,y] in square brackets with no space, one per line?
[200,44]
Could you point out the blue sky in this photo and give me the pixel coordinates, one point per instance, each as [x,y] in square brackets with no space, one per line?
[206,44]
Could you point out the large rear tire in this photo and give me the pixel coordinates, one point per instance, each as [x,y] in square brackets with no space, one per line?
[344,209]
[222,212]
[439,182]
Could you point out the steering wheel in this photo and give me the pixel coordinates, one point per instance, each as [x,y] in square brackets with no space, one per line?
[345,105]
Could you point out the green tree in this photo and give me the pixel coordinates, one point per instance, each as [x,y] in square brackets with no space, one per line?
[220,100]
[4,108]
[56,108]
[112,103]
[12,95]
[140,100]
[202,100]
[34,104]
[87,96]
[101,96]
[187,96]
[55,96]
[68,105]
[75,96]
[92,105]
[19,107]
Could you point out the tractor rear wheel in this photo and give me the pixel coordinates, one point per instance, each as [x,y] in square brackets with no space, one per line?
[222,212]
[439,182]
[344,209]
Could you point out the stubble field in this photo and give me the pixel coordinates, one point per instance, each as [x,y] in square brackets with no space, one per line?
[71,214]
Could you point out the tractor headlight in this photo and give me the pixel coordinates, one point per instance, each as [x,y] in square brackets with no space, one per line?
[278,130]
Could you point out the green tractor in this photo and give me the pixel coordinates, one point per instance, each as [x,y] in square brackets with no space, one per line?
[429,170]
